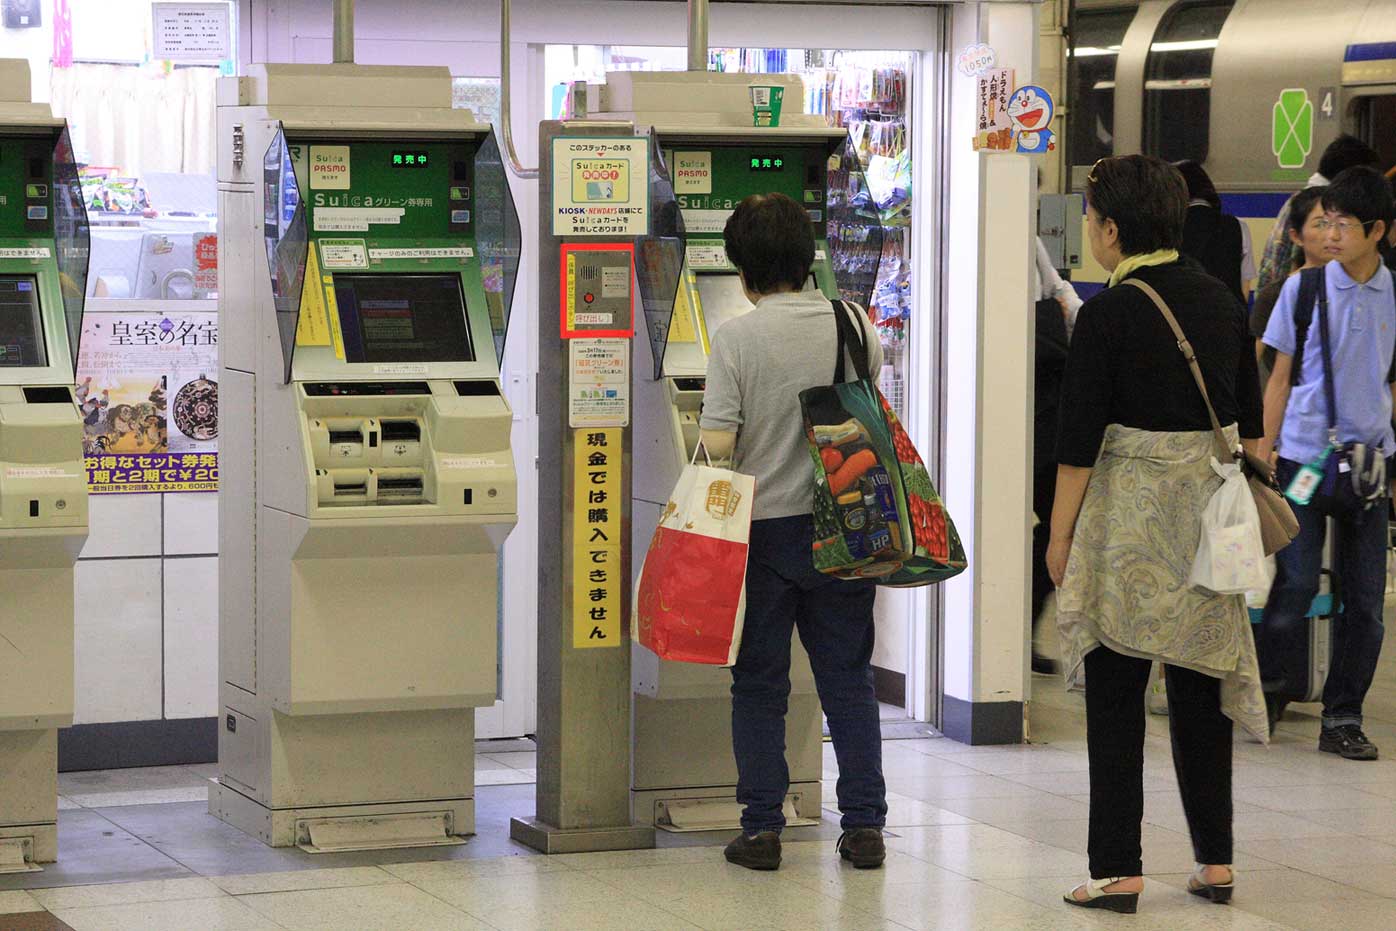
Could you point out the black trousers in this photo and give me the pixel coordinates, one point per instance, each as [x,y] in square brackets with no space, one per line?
[1115,688]
[1044,494]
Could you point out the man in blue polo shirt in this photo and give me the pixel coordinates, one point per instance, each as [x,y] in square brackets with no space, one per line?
[1361,315]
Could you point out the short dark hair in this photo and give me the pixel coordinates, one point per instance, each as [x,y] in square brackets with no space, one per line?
[1145,196]
[1200,186]
[1363,193]
[770,239]
[1346,152]
[1301,205]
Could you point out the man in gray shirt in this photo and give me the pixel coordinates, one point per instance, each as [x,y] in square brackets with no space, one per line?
[760,363]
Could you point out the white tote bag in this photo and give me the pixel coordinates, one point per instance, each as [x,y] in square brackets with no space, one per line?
[1230,555]
[690,604]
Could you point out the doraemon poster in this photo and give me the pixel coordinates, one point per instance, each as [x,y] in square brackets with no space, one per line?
[1030,110]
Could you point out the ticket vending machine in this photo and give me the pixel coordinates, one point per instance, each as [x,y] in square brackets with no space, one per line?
[702,125]
[43,483]
[369,247]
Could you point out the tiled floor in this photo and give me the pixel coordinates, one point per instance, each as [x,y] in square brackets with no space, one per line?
[980,838]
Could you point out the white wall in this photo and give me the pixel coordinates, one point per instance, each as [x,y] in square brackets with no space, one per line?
[147,609]
[34,44]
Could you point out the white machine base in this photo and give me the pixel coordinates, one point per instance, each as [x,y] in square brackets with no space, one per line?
[715,808]
[682,816]
[18,851]
[337,829]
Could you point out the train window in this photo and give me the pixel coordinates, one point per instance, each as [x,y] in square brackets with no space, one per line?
[1096,36]
[1376,124]
[1178,80]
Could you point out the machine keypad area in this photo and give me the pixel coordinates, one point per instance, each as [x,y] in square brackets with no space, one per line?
[26,184]
[362,389]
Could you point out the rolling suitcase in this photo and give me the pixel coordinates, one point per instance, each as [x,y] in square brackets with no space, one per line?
[1307,686]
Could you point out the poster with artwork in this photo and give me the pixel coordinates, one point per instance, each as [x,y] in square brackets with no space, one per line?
[993,128]
[148,393]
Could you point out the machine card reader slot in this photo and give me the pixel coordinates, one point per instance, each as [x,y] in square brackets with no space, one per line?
[364,389]
[689,384]
[477,389]
[48,395]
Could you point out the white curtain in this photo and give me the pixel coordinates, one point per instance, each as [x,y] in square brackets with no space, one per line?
[140,119]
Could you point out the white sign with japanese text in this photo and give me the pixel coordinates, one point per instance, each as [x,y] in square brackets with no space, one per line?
[192,31]
[601,186]
[598,386]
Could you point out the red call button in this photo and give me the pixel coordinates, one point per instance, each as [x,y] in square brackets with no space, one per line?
[588,297]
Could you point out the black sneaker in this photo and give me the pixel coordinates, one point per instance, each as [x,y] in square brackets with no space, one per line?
[1348,741]
[761,852]
[863,847]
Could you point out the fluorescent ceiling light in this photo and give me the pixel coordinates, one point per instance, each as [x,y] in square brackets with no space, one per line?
[1192,45]
[1090,51]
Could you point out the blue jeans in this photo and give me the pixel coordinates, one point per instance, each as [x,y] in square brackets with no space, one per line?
[835,620]
[1360,564]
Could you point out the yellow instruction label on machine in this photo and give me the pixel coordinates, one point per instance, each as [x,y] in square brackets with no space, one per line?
[332,311]
[598,581]
[313,325]
[681,329]
[318,323]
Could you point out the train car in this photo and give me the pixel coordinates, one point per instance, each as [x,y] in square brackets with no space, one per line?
[1253,89]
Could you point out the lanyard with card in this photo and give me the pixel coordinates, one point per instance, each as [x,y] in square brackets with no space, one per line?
[1308,479]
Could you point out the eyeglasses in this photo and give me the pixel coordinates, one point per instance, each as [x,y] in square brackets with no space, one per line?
[1344,227]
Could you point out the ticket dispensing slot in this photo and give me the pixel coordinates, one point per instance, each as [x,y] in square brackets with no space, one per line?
[686,394]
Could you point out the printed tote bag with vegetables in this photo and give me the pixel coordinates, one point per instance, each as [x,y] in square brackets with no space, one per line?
[876,514]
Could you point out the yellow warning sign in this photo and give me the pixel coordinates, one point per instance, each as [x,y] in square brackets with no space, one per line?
[598,582]
[313,326]
[332,311]
[681,328]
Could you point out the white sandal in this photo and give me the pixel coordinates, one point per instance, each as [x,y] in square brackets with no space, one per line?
[1219,893]
[1126,903]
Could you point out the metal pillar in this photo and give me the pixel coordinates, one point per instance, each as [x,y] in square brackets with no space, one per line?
[584,723]
[697,35]
[344,32]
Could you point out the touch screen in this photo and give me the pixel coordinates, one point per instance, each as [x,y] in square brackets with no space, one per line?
[21,329]
[403,318]
[722,299]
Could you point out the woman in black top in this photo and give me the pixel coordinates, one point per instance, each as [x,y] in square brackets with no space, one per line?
[1135,451]
[1215,239]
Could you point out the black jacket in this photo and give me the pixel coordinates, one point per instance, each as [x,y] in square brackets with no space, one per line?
[1213,238]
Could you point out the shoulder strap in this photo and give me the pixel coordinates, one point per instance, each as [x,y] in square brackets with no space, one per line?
[1185,348]
[851,337]
[1323,341]
[840,344]
[1310,280]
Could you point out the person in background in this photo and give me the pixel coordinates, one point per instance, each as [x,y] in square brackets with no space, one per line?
[1218,241]
[1342,153]
[760,363]
[1135,450]
[1361,310]
[1056,304]
[1391,237]
[1309,233]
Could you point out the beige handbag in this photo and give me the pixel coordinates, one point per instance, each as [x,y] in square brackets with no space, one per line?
[1278,525]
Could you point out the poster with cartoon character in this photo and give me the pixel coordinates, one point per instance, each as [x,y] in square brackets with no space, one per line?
[1030,111]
